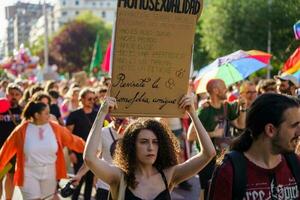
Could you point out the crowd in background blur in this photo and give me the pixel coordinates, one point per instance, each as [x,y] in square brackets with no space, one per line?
[74,107]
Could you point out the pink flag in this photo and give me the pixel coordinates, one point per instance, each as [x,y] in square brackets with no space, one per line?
[106,61]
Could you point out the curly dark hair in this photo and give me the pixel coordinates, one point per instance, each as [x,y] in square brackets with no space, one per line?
[125,155]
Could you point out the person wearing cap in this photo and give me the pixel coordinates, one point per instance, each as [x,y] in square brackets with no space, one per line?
[287,84]
[8,121]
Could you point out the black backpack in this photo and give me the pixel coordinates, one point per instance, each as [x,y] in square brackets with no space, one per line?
[239,163]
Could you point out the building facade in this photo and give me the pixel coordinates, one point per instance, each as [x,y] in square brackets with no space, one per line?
[67,10]
[20,17]
[38,29]
[26,23]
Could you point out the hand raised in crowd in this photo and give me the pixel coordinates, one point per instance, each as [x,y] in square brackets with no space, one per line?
[109,104]
[187,103]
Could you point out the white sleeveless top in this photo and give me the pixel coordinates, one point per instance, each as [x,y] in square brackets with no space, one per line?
[40,146]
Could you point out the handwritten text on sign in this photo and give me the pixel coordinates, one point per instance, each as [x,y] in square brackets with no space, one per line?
[152,54]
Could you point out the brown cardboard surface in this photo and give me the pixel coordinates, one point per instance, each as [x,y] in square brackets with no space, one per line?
[152,53]
[80,78]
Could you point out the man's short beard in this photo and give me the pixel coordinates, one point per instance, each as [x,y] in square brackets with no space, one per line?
[277,148]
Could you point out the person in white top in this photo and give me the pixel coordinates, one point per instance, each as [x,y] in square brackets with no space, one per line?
[107,143]
[38,143]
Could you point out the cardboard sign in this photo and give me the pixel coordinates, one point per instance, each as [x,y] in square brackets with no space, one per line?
[152,52]
[51,76]
[80,78]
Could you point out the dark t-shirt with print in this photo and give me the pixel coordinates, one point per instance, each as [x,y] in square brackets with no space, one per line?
[8,121]
[262,184]
[82,122]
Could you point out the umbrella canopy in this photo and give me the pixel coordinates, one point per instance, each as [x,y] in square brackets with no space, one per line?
[227,72]
[255,54]
[232,68]
[297,30]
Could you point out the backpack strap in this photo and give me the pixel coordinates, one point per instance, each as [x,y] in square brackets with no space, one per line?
[239,179]
[239,182]
[111,134]
[294,165]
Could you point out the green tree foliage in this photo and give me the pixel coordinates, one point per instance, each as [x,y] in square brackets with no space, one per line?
[200,56]
[230,25]
[71,48]
[38,47]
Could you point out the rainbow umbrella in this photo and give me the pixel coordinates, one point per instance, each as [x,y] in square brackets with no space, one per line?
[232,68]
[297,30]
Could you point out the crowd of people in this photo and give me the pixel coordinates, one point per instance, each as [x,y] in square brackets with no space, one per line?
[49,126]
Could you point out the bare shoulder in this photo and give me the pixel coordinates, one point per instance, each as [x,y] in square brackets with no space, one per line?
[169,172]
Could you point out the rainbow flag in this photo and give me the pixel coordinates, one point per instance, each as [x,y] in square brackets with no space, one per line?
[292,65]
[297,30]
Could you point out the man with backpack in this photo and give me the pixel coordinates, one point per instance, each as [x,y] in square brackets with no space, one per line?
[218,118]
[262,163]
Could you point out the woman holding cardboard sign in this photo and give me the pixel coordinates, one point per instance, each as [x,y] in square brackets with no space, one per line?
[146,165]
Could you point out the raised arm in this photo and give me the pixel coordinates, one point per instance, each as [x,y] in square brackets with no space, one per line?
[106,172]
[193,165]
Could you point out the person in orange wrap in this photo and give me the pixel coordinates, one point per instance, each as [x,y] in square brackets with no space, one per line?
[38,145]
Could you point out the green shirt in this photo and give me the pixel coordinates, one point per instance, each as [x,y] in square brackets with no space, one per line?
[211,117]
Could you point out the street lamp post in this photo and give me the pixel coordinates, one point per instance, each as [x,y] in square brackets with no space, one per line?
[46,52]
[269,37]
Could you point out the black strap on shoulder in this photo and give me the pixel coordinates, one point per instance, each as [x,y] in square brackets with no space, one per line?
[294,165]
[239,180]
[239,166]
[164,178]
[111,134]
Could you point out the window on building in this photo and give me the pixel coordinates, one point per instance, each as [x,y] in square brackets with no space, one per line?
[103,14]
[76,2]
[77,12]
[64,13]
[64,3]
[108,4]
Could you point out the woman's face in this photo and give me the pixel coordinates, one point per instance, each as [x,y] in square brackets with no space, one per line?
[75,95]
[45,101]
[146,147]
[43,116]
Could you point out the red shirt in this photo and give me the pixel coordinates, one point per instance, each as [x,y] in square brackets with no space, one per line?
[262,183]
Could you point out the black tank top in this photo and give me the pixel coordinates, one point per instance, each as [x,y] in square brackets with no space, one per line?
[164,195]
